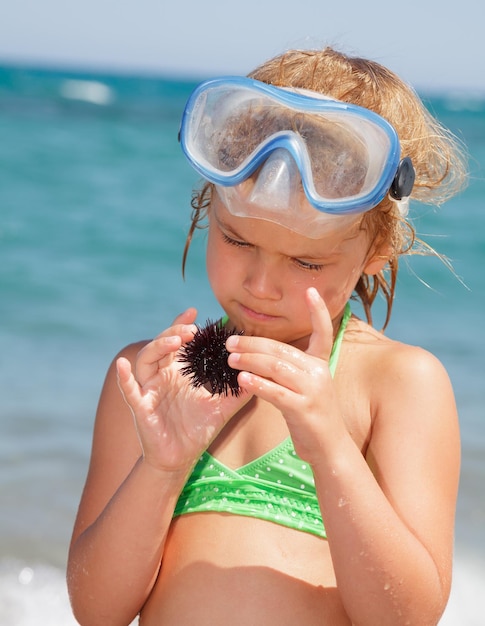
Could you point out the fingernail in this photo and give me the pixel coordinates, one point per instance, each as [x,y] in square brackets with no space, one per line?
[231,342]
[313,293]
[233,359]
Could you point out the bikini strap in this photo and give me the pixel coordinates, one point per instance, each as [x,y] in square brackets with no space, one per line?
[332,362]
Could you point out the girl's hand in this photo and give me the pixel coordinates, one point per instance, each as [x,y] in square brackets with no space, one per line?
[298,383]
[175,422]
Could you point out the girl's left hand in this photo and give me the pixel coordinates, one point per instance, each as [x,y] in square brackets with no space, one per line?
[298,383]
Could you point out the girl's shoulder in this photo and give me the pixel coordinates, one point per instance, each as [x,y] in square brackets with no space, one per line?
[362,335]
[389,364]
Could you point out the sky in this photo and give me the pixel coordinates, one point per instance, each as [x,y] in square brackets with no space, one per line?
[433,44]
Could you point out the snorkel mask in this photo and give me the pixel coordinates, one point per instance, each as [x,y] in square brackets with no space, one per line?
[293,157]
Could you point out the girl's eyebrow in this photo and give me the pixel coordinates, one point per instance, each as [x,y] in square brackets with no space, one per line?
[323,256]
[304,255]
[224,226]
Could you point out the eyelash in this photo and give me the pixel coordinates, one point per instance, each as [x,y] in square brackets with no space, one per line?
[234,242]
[312,267]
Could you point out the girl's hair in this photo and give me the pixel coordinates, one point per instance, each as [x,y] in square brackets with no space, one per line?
[436,154]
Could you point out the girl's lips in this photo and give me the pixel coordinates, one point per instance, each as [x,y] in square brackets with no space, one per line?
[256,315]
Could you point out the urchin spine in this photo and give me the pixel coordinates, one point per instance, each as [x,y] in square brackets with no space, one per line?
[206,359]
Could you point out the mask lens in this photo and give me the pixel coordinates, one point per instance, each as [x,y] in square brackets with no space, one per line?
[346,156]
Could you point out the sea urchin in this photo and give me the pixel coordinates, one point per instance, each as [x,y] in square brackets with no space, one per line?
[206,358]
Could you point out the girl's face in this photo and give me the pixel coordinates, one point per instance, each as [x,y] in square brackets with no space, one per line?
[260,271]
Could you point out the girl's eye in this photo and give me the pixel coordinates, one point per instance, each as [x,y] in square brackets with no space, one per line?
[316,267]
[234,242]
[312,267]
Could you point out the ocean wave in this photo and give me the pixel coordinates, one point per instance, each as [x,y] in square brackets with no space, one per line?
[32,595]
[465,607]
[92,91]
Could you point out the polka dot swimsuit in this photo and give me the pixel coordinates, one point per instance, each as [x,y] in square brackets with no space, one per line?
[277,486]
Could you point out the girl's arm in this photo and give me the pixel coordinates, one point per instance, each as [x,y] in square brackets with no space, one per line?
[142,455]
[123,518]
[389,517]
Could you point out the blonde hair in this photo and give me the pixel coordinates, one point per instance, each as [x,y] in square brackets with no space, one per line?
[437,156]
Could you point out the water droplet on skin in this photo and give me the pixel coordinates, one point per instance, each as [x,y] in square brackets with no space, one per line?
[387,586]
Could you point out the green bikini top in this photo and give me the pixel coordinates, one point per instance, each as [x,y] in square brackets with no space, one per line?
[277,486]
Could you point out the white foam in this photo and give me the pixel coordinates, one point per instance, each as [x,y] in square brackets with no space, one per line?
[33,595]
[91,91]
[466,604]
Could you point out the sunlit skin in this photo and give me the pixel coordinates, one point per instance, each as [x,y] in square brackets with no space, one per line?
[386,420]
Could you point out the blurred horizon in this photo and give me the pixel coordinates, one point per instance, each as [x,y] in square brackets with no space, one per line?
[467,98]
[433,47]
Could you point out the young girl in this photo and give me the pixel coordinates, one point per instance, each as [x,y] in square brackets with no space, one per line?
[323,492]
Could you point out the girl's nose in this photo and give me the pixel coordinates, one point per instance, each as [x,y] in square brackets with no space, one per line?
[262,279]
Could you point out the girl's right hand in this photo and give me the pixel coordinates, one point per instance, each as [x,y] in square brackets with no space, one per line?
[175,422]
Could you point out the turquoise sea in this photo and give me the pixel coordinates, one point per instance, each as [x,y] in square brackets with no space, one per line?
[94,207]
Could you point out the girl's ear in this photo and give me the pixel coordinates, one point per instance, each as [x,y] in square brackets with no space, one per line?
[377,261]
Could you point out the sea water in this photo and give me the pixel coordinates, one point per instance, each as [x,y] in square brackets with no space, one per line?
[94,210]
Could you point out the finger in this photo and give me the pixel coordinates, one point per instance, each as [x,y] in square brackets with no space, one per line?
[154,355]
[281,397]
[321,339]
[292,374]
[127,382]
[261,346]
[182,325]
[186,317]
